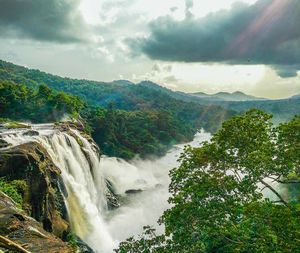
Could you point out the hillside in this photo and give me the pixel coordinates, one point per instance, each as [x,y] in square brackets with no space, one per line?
[123,95]
[199,109]
[124,119]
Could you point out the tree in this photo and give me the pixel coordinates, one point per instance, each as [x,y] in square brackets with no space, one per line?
[219,192]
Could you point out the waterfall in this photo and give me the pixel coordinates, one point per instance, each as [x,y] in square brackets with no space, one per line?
[86,199]
[85,196]
[84,179]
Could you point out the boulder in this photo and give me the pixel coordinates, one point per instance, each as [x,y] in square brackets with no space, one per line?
[31,133]
[82,247]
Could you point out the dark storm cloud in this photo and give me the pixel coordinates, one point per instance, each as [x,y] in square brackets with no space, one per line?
[264,33]
[44,20]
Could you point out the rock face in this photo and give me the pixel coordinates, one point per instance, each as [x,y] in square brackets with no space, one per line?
[112,198]
[26,232]
[42,199]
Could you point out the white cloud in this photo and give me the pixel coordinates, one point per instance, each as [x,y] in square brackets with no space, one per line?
[108,58]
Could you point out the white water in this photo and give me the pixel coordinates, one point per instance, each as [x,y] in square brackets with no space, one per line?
[152,176]
[84,180]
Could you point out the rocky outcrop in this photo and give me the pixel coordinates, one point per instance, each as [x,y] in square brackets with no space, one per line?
[21,233]
[31,133]
[112,198]
[42,199]
[4,144]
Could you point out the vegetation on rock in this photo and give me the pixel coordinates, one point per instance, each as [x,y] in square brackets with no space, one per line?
[14,189]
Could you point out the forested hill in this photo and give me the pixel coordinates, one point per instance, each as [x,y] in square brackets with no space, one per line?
[148,95]
[125,119]
[121,94]
[281,109]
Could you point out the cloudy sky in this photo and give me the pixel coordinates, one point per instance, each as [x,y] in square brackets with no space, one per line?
[188,45]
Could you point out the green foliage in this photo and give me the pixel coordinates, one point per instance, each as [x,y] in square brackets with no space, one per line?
[18,102]
[71,239]
[122,133]
[124,119]
[148,243]
[117,132]
[14,189]
[216,192]
[14,124]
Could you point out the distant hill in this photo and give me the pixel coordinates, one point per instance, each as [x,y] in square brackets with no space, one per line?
[226,96]
[198,107]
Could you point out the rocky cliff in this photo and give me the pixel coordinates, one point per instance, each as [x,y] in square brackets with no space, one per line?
[21,233]
[42,200]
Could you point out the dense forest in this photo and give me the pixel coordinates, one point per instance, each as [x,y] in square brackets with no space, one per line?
[18,102]
[124,119]
[237,193]
[118,132]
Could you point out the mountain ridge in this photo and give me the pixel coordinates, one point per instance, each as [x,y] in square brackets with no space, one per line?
[228,96]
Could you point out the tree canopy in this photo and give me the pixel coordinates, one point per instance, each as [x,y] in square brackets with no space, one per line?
[228,195]
[117,132]
[38,105]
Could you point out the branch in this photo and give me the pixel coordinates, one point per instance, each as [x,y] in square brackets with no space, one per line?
[284,181]
[274,191]
[237,242]
[289,182]
[12,245]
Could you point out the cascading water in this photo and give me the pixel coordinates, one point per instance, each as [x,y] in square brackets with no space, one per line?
[84,179]
[85,185]
[85,195]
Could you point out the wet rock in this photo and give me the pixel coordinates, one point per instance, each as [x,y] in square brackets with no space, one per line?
[4,144]
[42,199]
[26,232]
[133,191]
[31,133]
[112,199]
[82,246]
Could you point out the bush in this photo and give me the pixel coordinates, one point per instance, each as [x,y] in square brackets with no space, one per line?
[14,189]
